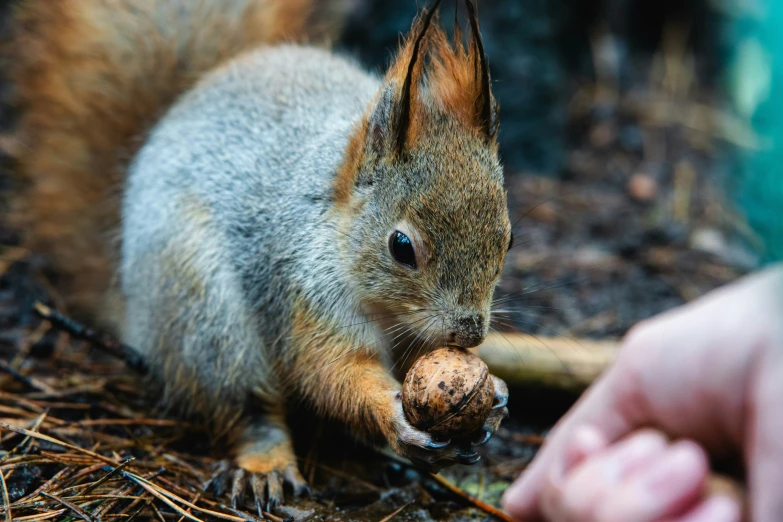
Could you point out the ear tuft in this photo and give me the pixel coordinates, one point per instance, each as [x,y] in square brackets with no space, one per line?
[407,71]
[459,77]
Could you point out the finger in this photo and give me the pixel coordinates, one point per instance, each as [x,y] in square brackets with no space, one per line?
[596,407]
[587,441]
[715,509]
[629,394]
[600,474]
[765,447]
[664,488]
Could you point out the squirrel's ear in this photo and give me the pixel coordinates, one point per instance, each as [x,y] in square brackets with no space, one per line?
[379,128]
[494,118]
[486,107]
[405,75]
[459,78]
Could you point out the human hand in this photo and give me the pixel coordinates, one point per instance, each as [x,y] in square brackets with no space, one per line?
[642,477]
[710,371]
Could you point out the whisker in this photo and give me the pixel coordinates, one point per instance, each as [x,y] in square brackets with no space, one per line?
[555,333]
[521,243]
[352,350]
[513,348]
[411,324]
[523,308]
[538,287]
[412,346]
[536,206]
[392,316]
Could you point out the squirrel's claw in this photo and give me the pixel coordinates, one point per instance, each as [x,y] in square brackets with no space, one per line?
[218,482]
[433,455]
[501,393]
[482,438]
[496,415]
[436,445]
[267,488]
[422,450]
[274,490]
[238,488]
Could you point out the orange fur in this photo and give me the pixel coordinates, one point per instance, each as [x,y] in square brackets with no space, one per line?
[454,78]
[91,77]
[354,155]
[341,380]
[278,457]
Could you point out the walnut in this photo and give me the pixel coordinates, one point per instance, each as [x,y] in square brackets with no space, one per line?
[448,392]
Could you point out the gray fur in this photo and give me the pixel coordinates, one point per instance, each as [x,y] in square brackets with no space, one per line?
[229,217]
[226,215]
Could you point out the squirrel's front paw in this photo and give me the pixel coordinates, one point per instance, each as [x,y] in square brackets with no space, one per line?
[422,449]
[497,414]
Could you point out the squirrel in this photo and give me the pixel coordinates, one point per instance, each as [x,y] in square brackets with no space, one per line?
[263,219]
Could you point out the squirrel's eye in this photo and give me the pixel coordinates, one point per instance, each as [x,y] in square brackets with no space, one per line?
[401,249]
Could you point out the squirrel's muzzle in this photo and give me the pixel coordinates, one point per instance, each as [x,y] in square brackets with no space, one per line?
[467,331]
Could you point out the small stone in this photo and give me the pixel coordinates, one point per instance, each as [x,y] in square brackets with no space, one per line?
[642,187]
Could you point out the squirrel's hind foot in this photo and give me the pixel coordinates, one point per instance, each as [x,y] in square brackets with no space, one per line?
[265,465]
[266,488]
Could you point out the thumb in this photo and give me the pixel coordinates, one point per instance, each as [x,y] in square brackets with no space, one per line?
[599,408]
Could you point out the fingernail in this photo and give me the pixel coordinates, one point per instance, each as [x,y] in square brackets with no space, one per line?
[680,469]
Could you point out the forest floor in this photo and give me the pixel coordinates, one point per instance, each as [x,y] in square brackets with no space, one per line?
[636,224]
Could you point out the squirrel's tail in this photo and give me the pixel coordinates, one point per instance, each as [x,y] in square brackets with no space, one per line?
[90,78]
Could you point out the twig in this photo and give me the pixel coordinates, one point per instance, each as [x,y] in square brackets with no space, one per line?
[106,477]
[534,440]
[396,512]
[27,381]
[137,513]
[149,489]
[136,422]
[103,341]
[495,512]
[6,499]
[42,516]
[38,421]
[272,518]
[47,438]
[51,483]
[76,510]
[160,492]
[195,499]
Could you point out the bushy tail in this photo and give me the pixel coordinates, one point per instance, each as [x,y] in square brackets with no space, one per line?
[91,76]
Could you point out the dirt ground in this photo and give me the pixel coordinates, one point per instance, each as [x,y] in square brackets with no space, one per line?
[635,224]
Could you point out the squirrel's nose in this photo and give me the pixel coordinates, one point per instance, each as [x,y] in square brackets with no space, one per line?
[470,323]
[468,331]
